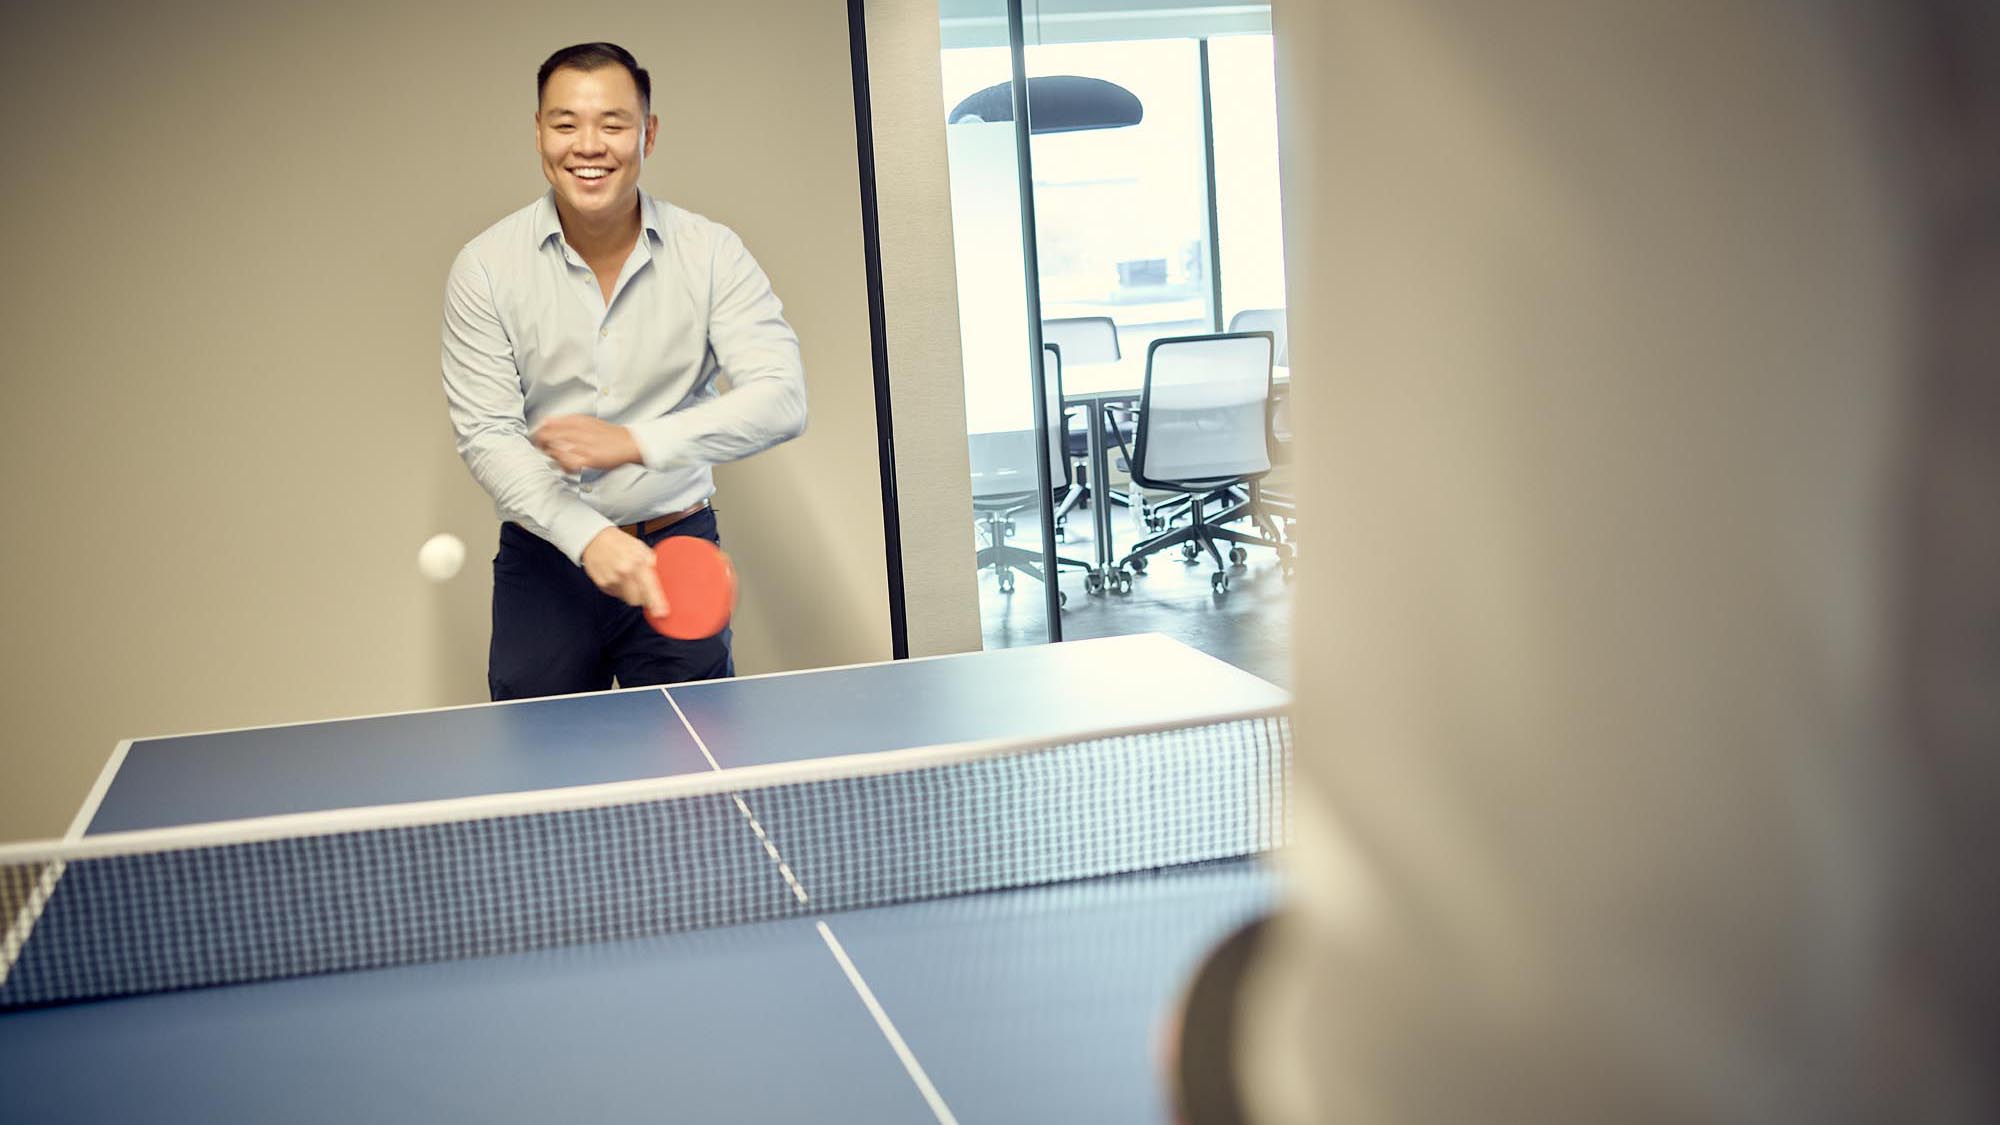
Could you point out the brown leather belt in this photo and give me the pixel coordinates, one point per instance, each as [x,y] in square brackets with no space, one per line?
[659,522]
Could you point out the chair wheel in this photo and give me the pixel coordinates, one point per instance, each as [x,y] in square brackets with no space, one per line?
[1062,533]
[1219,582]
[1006,585]
[1122,583]
[1288,570]
[1062,599]
[1189,551]
[1285,553]
[1093,583]
[1138,565]
[1237,555]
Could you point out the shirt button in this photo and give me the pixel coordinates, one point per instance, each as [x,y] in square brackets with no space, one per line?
[604,332]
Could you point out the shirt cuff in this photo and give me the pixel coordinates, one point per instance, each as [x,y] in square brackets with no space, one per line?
[660,440]
[574,528]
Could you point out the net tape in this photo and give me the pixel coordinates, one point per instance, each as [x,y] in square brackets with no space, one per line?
[289,896]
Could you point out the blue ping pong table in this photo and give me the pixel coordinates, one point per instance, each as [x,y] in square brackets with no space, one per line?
[1040,1004]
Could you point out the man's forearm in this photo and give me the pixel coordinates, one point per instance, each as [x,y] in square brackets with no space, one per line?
[528,490]
[752,417]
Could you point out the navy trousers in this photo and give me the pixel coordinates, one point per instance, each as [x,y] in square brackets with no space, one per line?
[555,632]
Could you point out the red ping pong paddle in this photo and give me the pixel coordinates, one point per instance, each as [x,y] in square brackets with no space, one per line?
[700,585]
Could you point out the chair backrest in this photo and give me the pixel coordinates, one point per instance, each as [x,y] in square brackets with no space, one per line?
[1052,399]
[1265,320]
[1003,463]
[1202,416]
[1084,339]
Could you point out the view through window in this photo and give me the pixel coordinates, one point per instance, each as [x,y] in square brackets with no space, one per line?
[1169,226]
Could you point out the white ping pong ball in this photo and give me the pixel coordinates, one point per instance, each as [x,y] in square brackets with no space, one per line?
[440,557]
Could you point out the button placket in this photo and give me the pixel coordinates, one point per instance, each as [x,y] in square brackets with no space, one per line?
[605,361]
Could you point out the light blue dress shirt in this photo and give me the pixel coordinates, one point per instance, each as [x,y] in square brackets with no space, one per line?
[528,336]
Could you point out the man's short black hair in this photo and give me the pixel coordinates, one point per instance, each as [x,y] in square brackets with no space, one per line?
[590,56]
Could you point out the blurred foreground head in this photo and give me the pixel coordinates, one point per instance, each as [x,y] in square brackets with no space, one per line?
[1648,735]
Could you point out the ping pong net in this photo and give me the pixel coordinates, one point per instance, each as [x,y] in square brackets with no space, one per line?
[281,896]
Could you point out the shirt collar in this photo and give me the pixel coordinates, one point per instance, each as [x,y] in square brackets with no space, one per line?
[548,224]
[649,216]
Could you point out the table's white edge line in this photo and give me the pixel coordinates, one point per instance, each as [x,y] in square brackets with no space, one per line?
[337,720]
[16,938]
[23,925]
[413,712]
[106,773]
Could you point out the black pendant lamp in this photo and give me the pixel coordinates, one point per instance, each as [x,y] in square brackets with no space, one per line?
[1063,103]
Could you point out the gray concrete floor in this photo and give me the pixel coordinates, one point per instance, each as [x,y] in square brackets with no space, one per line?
[1249,627]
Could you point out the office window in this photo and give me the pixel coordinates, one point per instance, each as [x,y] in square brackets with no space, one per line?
[1121,214]
[1244,101]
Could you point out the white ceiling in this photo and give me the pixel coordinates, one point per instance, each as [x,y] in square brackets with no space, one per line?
[983,23]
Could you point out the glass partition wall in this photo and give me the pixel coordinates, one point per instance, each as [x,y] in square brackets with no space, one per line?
[1008,427]
[1147,175]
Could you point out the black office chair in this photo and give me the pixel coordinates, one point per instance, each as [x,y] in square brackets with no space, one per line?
[1258,501]
[1066,489]
[1253,500]
[1004,482]
[1086,339]
[1203,428]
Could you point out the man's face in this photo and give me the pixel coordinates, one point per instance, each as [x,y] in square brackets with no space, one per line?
[593,133]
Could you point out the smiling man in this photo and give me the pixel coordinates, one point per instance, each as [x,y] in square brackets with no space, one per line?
[583,338]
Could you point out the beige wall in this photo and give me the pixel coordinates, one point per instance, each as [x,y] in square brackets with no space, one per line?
[920,300]
[226,234]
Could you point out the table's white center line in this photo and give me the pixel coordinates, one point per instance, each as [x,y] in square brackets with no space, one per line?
[881,1016]
[889,1032]
[763,837]
[771,849]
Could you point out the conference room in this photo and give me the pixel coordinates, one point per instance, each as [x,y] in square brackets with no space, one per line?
[1138,233]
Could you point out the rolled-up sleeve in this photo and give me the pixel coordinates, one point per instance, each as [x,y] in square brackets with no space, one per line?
[482,387]
[757,349]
